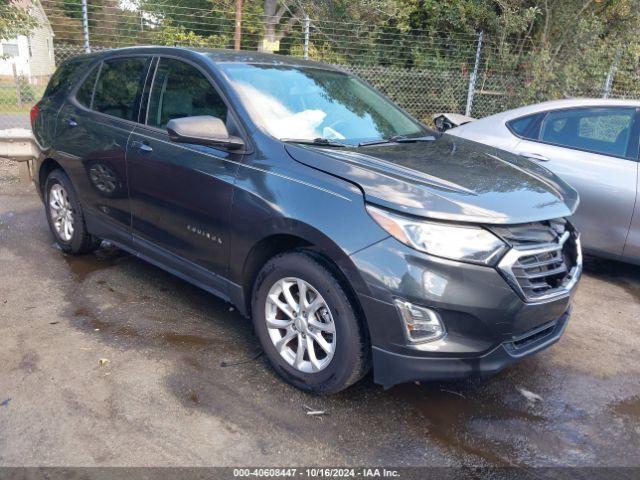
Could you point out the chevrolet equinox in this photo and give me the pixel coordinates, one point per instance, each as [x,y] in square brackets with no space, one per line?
[353,236]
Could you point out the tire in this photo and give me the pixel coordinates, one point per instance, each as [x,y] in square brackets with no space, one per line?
[349,357]
[78,241]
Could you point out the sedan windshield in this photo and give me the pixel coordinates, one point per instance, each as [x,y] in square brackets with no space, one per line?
[308,104]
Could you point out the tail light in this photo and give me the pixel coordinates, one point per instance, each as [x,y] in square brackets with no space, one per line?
[33,114]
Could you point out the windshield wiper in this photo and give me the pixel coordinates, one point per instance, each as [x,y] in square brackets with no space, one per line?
[398,139]
[324,142]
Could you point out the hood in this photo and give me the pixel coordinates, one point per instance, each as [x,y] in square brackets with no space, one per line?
[449,178]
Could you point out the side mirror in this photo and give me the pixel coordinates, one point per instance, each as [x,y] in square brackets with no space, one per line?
[202,130]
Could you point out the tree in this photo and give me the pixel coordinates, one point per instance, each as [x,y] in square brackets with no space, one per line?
[14,20]
[172,35]
[279,18]
[110,25]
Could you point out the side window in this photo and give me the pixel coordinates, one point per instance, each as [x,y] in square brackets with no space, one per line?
[117,91]
[84,95]
[180,90]
[601,130]
[526,127]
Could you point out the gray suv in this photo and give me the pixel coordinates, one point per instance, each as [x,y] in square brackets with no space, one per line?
[352,235]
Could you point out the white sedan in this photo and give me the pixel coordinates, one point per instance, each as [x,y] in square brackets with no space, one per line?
[593,145]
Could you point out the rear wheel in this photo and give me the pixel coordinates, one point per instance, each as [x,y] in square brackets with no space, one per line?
[307,325]
[65,216]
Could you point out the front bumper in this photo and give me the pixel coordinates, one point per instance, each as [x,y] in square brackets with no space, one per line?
[394,368]
[483,315]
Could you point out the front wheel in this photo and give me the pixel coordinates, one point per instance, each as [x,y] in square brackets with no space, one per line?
[307,325]
[65,217]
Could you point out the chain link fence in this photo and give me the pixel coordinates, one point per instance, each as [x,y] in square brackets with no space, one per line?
[424,72]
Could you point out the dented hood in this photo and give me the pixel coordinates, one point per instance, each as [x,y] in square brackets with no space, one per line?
[449,178]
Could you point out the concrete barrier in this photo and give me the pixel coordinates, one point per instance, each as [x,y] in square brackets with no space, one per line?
[19,145]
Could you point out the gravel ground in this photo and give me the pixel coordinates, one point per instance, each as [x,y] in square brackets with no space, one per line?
[182,384]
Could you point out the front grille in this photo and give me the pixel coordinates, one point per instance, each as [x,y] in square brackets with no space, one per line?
[544,261]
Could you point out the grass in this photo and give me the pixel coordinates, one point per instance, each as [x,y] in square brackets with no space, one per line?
[9,100]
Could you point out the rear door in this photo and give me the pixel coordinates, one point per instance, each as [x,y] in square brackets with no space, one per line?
[595,150]
[181,193]
[93,130]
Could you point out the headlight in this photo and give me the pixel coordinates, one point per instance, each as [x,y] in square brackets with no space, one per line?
[453,241]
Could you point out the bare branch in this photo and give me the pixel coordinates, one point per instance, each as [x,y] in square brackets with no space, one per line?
[286,28]
[278,16]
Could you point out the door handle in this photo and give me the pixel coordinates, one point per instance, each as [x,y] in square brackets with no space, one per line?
[72,123]
[142,146]
[534,156]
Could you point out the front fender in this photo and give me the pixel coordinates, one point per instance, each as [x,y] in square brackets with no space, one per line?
[325,213]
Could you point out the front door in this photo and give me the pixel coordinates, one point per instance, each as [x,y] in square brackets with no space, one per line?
[595,151]
[632,247]
[181,193]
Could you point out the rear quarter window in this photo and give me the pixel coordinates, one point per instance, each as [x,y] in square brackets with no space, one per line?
[63,79]
[84,95]
[525,127]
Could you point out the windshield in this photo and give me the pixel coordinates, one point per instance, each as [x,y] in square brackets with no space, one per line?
[305,103]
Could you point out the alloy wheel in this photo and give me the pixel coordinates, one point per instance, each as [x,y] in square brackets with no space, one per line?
[61,210]
[300,325]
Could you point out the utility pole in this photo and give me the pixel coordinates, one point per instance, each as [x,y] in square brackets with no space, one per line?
[16,79]
[238,35]
[85,26]
[474,76]
[608,83]
[307,24]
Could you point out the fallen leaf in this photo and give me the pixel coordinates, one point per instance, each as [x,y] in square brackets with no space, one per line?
[311,411]
[530,396]
[316,412]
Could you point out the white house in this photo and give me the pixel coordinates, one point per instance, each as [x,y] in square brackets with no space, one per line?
[32,55]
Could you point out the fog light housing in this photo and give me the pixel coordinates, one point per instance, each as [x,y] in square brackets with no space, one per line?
[420,324]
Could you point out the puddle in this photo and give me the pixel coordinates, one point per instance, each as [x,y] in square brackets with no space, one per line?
[629,407]
[96,323]
[450,412]
[105,257]
[175,339]
[182,340]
